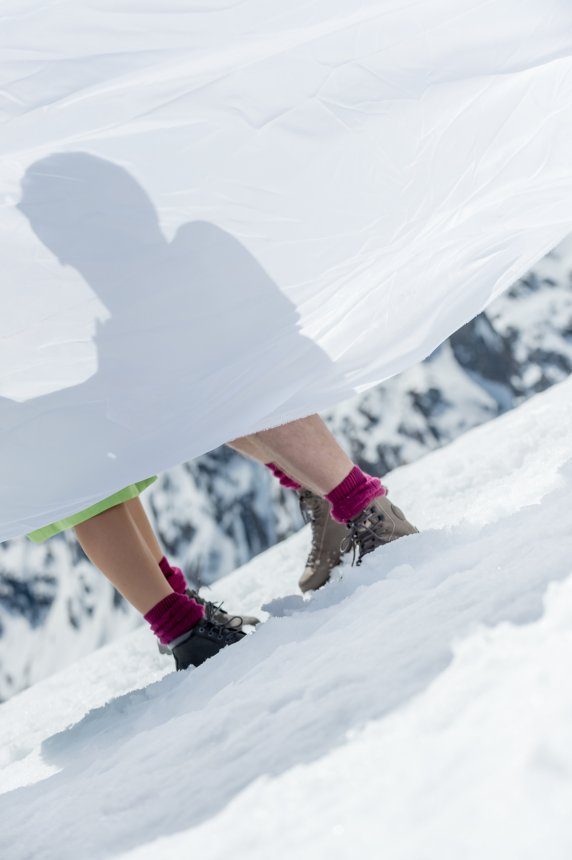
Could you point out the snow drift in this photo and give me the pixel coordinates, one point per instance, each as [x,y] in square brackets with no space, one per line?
[218,218]
[423,699]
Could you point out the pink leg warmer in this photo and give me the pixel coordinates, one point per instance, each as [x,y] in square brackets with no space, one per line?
[173,616]
[284,479]
[174,576]
[354,494]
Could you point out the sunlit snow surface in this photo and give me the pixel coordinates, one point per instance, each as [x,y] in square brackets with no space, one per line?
[420,707]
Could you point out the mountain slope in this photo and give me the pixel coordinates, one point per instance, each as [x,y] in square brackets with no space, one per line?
[423,700]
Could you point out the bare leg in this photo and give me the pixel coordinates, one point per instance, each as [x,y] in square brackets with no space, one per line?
[141,520]
[254,448]
[306,450]
[112,541]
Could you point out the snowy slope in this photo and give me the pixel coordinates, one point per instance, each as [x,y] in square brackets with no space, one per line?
[217,512]
[418,708]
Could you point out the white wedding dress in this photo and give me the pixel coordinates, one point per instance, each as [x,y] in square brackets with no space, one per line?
[218,216]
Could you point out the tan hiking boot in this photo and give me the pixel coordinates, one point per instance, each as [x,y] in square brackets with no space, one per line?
[327,537]
[380,523]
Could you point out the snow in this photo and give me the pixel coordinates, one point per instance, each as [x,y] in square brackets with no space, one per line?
[417,707]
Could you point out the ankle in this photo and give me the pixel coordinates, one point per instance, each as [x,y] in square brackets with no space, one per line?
[354,494]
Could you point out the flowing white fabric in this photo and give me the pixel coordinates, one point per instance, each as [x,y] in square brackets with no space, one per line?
[218,215]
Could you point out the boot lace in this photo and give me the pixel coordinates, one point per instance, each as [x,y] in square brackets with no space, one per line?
[214,612]
[314,512]
[218,632]
[363,535]
[310,506]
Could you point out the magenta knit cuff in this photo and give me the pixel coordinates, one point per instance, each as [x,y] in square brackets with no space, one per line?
[174,576]
[354,494]
[285,480]
[172,616]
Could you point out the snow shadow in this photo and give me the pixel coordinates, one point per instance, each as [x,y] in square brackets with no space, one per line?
[167,758]
[200,342]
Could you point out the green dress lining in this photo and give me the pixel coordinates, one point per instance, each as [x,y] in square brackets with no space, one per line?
[130,492]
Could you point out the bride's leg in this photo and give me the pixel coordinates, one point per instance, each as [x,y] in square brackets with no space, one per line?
[145,528]
[305,449]
[112,541]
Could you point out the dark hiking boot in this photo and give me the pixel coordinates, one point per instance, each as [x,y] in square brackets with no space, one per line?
[327,537]
[201,642]
[380,523]
[215,613]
